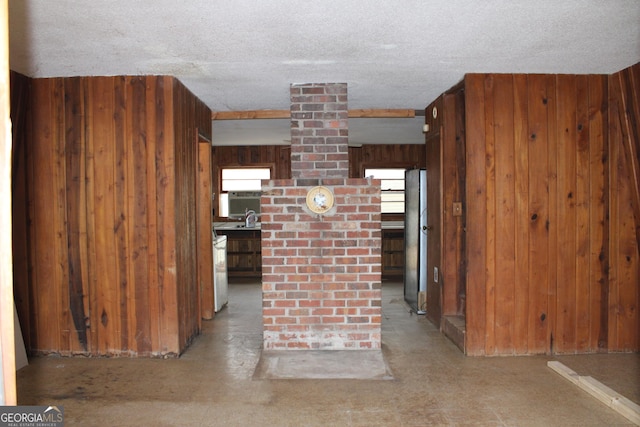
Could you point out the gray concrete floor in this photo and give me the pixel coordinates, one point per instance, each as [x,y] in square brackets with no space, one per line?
[213,383]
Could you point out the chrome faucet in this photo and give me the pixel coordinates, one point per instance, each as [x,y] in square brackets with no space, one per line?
[250,219]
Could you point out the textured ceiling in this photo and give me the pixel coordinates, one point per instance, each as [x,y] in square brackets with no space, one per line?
[243,55]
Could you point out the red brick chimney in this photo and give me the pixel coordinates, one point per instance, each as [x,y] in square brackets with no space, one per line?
[321,264]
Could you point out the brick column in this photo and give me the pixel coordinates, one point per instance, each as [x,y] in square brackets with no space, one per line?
[321,274]
[319,131]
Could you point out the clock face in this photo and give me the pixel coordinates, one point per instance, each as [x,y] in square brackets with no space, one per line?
[319,199]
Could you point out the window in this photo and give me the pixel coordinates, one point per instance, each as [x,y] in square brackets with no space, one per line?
[392,186]
[240,179]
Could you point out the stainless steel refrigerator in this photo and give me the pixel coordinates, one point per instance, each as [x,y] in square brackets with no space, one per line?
[415,239]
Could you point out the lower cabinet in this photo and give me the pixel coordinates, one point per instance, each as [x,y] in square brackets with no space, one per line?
[244,256]
[392,253]
[244,253]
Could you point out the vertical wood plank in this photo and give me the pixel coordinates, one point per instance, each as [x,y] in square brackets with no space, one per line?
[42,204]
[503,188]
[490,224]
[60,273]
[92,258]
[205,248]
[628,268]
[615,133]
[121,219]
[152,215]
[582,207]
[521,230]
[108,298]
[566,315]
[598,226]
[552,224]
[538,168]
[76,210]
[628,81]
[461,224]
[139,317]
[476,208]
[20,96]
[165,190]
[433,257]
[450,242]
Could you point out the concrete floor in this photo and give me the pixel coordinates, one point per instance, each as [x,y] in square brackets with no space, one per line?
[213,383]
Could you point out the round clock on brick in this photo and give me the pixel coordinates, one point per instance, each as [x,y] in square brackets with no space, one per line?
[319,199]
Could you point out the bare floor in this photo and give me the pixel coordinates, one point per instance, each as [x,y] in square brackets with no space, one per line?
[433,383]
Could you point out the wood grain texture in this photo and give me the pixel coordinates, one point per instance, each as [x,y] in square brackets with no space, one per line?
[476,208]
[453,267]
[111,168]
[433,257]
[505,214]
[20,95]
[552,269]
[538,171]
[624,246]
[205,219]
[410,156]
[627,84]
[521,215]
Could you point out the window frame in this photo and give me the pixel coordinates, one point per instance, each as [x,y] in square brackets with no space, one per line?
[390,165]
[219,193]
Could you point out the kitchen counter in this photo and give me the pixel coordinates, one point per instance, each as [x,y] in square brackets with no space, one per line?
[393,225]
[233,225]
[244,248]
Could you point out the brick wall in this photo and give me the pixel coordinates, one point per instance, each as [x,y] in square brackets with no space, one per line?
[321,274]
[319,131]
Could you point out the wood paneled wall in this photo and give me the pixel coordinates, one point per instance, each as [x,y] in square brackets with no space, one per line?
[20,89]
[278,158]
[110,200]
[623,321]
[551,249]
[410,156]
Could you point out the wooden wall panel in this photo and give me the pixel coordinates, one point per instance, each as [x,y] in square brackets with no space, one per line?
[537,213]
[453,189]
[599,217]
[521,213]
[433,259]
[410,156]
[278,157]
[187,123]
[111,196]
[43,200]
[138,179]
[476,210]
[566,158]
[205,218]
[552,196]
[624,244]
[20,94]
